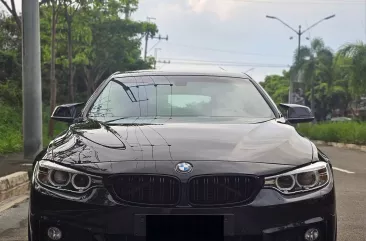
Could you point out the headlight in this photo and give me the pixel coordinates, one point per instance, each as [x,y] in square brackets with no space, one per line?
[308,178]
[62,178]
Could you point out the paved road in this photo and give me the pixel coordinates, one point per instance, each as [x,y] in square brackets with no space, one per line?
[350,178]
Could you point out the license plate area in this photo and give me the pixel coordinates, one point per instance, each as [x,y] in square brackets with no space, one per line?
[184,227]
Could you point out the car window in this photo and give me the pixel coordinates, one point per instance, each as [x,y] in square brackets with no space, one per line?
[199,96]
[184,101]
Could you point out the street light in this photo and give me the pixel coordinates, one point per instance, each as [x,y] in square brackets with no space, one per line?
[299,34]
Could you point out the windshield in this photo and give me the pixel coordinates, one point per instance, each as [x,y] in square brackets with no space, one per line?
[180,96]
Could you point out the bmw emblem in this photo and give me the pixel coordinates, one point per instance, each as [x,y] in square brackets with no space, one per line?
[183,167]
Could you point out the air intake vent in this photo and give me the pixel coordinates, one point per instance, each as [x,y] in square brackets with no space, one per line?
[213,190]
[151,190]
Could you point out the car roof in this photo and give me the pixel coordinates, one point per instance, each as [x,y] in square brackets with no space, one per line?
[180,73]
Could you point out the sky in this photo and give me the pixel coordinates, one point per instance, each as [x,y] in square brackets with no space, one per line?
[236,36]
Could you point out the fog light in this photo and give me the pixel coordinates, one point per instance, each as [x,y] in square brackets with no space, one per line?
[312,234]
[54,233]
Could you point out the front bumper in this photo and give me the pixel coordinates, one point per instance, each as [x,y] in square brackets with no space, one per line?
[270,217]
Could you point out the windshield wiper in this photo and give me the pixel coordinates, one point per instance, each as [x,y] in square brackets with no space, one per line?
[121,118]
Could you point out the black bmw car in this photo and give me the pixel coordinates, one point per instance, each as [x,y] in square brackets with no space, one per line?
[157,155]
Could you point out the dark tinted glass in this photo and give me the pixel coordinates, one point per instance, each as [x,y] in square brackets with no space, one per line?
[188,96]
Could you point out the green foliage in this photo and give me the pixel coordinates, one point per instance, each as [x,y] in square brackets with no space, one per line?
[10,94]
[11,139]
[338,78]
[10,54]
[103,40]
[345,132]
[277,87]
[10,129]
[356,54]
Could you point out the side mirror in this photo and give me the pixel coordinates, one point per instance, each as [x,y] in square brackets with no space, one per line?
[67,113]
[298,113]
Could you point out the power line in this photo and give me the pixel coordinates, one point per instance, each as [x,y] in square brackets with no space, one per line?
[181,60]
[153,46]
[163,62]
[159,38]
[156,56]
[228,51]
[299,2]
[212,63]
[148,35]
[238,64]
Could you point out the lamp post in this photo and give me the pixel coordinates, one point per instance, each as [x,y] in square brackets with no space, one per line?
[32,84]
[299,33]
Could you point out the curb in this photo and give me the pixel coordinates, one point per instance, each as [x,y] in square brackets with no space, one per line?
[12,202]
[342,145]
[13,185]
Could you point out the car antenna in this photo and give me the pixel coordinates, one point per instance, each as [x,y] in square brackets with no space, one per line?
[222,68]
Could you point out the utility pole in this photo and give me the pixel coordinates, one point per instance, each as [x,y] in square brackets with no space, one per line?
[127,10]
[31,75]
[156,56]
[299,33]
[159,37]
[147,37]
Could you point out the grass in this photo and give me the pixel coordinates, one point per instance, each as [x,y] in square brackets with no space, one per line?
[350,132]
[11,139]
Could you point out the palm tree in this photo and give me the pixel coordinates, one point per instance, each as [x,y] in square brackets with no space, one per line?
[341,89]
[356,52]
[316,64]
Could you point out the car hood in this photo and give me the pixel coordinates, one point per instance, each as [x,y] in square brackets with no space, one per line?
[92,143]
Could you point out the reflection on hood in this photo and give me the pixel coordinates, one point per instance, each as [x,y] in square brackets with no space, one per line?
[265,142]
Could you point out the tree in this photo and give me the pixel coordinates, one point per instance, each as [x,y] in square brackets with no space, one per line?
[316,63]
[356,53]
[277,86]
[341,94]
[115,43]
[69,14]
[55,5]
[129,7]
[75,54]
[10,51]
[70,9]
[13,11]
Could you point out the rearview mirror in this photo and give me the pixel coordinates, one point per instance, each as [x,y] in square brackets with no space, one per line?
[67,113]
[297,113]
